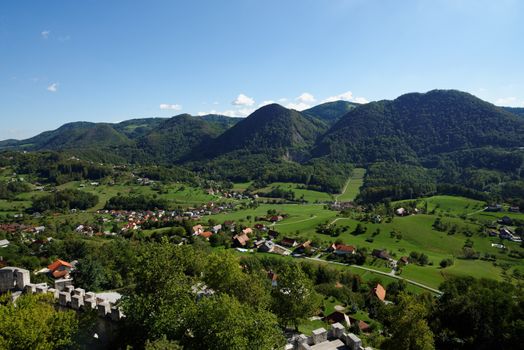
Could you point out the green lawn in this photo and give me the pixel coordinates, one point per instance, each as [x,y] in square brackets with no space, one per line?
[353,187]
[241,186]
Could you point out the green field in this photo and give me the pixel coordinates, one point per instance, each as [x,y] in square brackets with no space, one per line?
[300,193]
[353,186]
[301,220]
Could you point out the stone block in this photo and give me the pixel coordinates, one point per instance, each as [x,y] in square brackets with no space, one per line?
[64,298]
[103,308]
[22,278]
[41,289]
[79,291]
[89,304]
[338,330]
[7,279]
[77,301]
[90,295]
[69,289]
[116,314]
[352,341]
[30,288]
[304,346]
[319,335]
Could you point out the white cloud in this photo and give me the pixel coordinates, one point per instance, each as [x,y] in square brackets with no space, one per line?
[265,103]
[361,100]
[304,101]
[172,107]
[45,34]
[243,100]
[300,106]
[509,102]
[345,96]
[283,99]
[239,112]
[53,87]
[306,97]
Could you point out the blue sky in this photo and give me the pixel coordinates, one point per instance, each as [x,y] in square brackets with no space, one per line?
[100,60]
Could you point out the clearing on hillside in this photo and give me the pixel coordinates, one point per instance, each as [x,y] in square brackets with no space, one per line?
[352,187]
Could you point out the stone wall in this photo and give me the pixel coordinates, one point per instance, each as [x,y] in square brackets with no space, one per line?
[17,279]
[334,337]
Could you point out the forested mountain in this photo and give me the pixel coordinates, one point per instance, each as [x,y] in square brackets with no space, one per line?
[138,127]
[76,135]
[270,129]
[176,137]
[441,141]
[515,110]
[330,112]
[420,125]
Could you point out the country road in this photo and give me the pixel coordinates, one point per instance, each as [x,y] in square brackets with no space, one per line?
[295,222]
[343,190]
[388,274]
[335,220]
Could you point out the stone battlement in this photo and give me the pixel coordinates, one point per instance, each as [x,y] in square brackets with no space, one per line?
[17,279]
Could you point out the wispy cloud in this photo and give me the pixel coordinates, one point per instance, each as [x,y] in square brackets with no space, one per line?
[239,112]
[45,34]
[265,103]
[172,107]
[509,102]
[243,100]
[306,97]
[53,87]
[304,101]
[346,96]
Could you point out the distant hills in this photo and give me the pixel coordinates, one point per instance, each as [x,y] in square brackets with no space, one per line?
[419,125]
[439,137]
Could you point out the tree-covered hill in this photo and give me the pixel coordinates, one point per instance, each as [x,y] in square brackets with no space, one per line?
[77,135]
[515,110]
[176,137]
[330,112]
[420,125]
[270,129]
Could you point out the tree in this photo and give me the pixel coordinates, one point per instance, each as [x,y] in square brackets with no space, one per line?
[224,274]
[89,274]
[162,344]
[162,301]
[446,262]
[33,323]
[406,321]
[221,322]
[479,314]
[294,297]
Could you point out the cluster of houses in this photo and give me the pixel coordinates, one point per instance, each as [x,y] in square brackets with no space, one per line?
[21,228]
[508,234]
[405,212]
[498,208]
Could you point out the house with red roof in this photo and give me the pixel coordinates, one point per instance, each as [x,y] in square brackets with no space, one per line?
[342,249]
[240,240]
[60,269]
[206,234]
[380,292]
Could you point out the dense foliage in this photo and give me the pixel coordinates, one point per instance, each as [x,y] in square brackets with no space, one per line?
[33,323]
[65,200]
[136,202]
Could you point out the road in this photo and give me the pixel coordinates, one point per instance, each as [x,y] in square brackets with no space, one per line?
[295,222]
[388,274]
[332,222]
[343,190]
